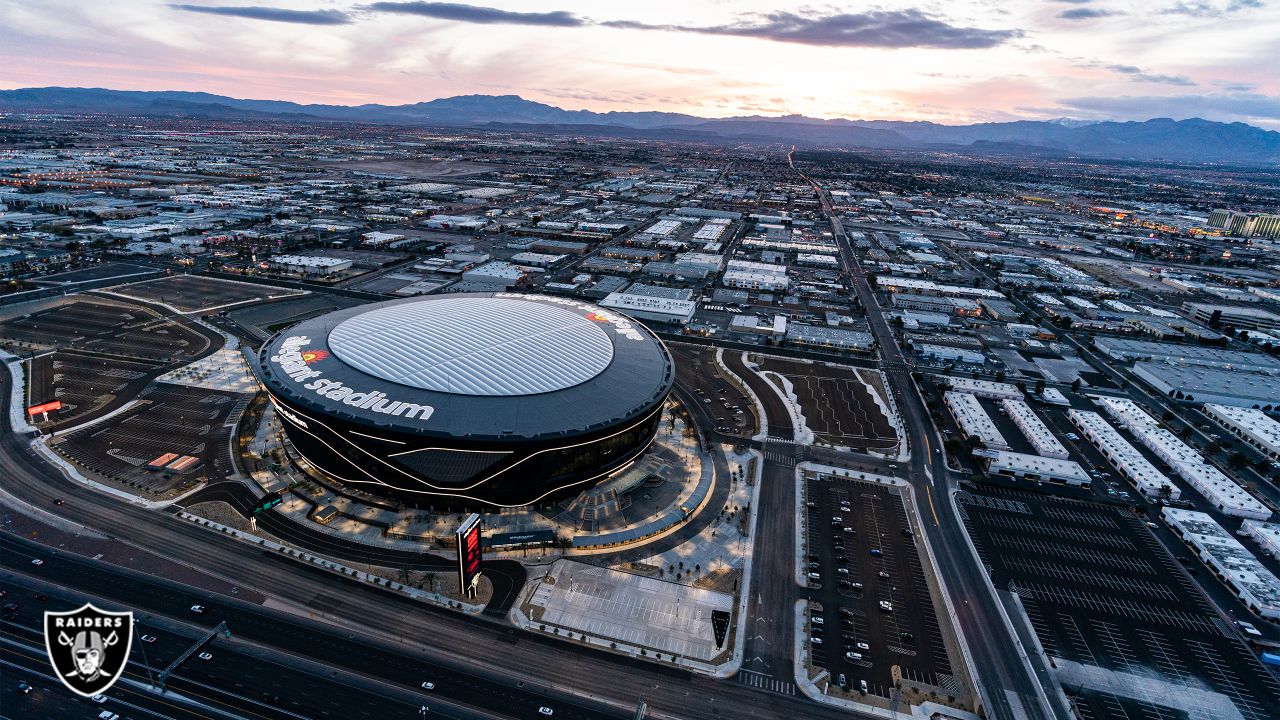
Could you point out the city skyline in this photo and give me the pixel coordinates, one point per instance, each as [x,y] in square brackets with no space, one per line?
[902,60]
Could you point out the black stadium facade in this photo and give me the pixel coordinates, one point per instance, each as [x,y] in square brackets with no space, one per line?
[499,399]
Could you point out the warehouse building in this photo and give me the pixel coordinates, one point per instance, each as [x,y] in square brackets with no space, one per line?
[1036,468]
[1126,349]
[1234,565]
[1267,535]
[1227,496]
[1211,385]
[982,388]
[1254,427]
[829,337]
[973,420]
[1130,463]
[647,307]
[1038,434]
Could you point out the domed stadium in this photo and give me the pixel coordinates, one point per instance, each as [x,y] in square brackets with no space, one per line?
[498,399]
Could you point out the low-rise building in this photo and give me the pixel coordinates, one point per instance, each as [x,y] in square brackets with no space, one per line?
[1037,433]
[982,388]
[1037,468]
[647,307]
[829,337]
[1130,463]
[973,420]
[1234,565]
[1227,496]
[1254,427]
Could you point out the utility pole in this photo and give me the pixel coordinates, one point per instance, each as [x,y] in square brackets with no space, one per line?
[145,662]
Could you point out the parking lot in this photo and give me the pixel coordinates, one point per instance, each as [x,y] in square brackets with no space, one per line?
[84,383]
[836,403]
[168,419]
[696,369]
[103,326]
[1102,592]
[267,318]
[192,293]
[866,578]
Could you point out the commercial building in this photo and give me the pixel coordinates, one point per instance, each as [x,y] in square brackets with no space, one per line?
[982,388]
[829,337]
[1130,463]
[1249,318]
[1211,385]
[1126,349]
[1254,427]
[308,264]
[1217,488]
[1037,468]
[974,421]
[926,287]
[1240,224]
[1234,565]
[949,353]
[1037,433]
[1267,535]
[647,307]
[468,400]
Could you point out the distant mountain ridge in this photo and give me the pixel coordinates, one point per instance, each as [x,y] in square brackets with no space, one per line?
[1191,140]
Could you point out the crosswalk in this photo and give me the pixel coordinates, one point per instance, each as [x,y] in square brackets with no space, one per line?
[759,680]
[783,452]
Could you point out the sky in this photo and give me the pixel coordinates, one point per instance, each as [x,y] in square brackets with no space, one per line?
[954,62]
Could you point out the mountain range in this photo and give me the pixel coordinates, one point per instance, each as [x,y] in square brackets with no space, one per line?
[1191,140]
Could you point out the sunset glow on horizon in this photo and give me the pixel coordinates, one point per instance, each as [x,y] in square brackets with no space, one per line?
[916,60]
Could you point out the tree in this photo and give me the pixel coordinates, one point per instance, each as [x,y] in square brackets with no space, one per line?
[1039,387]
[1075,385]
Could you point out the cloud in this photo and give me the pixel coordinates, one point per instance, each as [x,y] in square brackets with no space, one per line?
[873,29]
[1207,9]
[459,12]
[254,12]
[1138,73]
[1086,13]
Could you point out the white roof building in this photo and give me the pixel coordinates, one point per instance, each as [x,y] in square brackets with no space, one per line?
[973,420]
[1054,396]
[1038,468]
[1254,427]
[1267,535]
[1131,464]
[1227,496]
[645,307]
[1038,434]
[927,287]
[1252,582]
[983,388]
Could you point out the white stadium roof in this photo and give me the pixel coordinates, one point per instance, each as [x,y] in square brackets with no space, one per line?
[475,346]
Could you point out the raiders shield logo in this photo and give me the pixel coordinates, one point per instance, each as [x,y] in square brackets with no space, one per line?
[88,647]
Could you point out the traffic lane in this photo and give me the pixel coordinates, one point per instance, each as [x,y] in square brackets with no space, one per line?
[249,683]
[49,699]
[284,631]
[779,418]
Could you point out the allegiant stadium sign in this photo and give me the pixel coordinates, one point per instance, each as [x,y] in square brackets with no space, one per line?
[292,362]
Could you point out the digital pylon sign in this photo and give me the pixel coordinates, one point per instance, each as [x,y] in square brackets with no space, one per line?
[44,407]
[469,555]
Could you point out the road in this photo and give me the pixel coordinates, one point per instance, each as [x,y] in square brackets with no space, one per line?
[322,601]
[1009,690]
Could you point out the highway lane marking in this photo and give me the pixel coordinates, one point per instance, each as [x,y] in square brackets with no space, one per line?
[929,492]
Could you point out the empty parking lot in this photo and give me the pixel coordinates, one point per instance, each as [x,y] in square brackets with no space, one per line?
[836,403]
[110,328]
[1130,634]
[167,419]
[193,293]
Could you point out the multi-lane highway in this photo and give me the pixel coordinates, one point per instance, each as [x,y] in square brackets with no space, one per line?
[1014,684]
